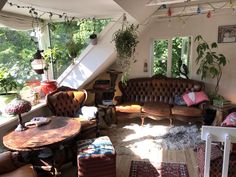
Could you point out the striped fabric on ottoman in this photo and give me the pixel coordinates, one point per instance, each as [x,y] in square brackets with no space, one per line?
[96,158]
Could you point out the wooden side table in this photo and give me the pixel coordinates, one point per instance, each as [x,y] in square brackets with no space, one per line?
[220,113]
[109,113]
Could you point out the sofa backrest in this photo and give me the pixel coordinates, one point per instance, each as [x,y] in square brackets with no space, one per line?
[141,90]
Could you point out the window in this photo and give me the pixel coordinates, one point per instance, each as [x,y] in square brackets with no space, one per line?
[75,35]
[16,53]
[171,57]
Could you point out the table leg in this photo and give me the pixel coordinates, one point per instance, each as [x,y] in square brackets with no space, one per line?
[218,118]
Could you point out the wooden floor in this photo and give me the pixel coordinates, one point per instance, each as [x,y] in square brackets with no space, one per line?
[126,152]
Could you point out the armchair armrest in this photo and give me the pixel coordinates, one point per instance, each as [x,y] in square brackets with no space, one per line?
[8,162]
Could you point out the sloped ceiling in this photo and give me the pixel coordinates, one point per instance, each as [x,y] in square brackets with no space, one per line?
[77,8]
[137,9]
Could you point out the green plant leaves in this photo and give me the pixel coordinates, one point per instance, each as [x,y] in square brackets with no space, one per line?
[7,81]
[214,45]
[211,62]
[126,41]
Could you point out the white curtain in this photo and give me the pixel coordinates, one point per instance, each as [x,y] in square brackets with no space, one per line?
[16,21]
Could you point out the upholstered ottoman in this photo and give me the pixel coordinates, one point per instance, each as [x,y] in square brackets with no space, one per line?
[96,158]
[216,161]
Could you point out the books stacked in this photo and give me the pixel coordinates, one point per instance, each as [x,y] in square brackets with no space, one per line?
[222,103]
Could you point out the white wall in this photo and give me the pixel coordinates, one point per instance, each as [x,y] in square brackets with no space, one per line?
[195,25]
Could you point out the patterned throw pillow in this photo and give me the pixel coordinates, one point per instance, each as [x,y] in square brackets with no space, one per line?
[230,120]
[194,98]
[179,100]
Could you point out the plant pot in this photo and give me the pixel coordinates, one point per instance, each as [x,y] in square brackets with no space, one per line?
[48,86]
[5,99]
[94,41]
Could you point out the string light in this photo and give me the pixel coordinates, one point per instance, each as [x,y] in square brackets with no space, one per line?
[209,14]
[39,13]
[169,12]
[199,11]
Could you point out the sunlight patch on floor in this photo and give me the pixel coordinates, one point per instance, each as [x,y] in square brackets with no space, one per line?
[143,142]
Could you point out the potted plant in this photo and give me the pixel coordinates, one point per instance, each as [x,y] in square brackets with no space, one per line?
[8,86]
[93,39]
[126,40]
[50,55]
[210,61]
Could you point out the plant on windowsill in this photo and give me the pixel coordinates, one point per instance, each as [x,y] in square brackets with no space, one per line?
[126,40]
[211,63]
[50,55]
[93,39]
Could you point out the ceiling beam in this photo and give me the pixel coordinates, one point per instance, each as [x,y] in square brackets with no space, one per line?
[2,4]
[161,2]
[181,3]
[199,2]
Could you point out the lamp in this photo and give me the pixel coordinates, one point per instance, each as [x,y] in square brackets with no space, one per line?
[17,107]
[38,64]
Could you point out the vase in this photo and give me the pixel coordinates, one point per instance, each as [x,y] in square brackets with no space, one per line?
[48,86]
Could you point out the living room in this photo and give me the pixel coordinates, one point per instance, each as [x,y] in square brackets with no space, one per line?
[158,22]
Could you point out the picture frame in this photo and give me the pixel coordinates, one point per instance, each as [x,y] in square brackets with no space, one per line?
[227,34]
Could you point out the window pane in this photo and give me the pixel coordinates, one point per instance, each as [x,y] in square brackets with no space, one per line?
[61,35]
[160,56]
[180,56]
[16,53]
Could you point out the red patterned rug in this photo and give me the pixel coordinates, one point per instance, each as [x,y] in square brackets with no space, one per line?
[147,169]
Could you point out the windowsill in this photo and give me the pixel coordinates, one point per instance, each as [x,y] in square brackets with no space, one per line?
[6,119]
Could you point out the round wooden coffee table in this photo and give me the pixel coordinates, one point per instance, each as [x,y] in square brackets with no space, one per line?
[57,131]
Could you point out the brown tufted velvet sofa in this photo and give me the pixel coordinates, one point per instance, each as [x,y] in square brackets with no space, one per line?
[154,98]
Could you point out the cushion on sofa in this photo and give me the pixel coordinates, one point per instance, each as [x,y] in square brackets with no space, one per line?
[158,109]
[129,108]
[193,98]
[178,100]
[230,120]
[187,111]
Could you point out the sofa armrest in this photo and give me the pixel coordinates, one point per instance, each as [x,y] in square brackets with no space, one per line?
[204,105]
[118,99]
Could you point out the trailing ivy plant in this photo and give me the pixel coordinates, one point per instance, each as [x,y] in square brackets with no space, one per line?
[126,40]
[211,63]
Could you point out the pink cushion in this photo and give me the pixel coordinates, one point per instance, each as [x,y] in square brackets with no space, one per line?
[230,120]
[193,98]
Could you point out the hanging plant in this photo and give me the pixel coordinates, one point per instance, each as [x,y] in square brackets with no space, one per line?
[126,40]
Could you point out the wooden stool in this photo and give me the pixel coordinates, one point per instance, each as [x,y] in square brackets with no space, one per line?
[96,157]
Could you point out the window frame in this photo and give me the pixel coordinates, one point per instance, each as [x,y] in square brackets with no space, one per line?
[169,58]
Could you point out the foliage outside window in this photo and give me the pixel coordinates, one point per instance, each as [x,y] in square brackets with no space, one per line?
[160,57]
[180,57]
[16,51]
[71,39]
